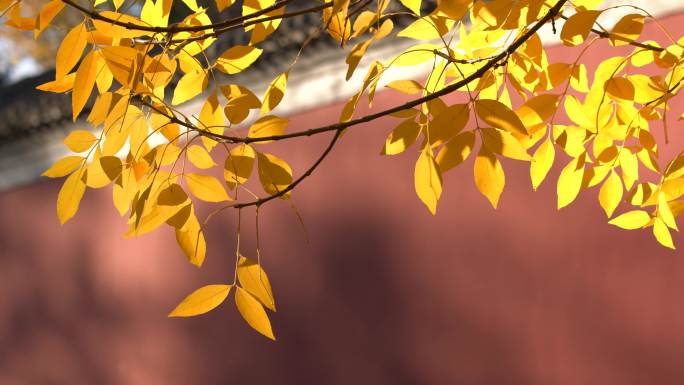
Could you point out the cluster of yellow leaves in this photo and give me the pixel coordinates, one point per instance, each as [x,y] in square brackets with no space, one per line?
[609,137]
[130,69]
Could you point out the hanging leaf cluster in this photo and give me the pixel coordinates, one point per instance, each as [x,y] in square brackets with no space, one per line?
[605,128]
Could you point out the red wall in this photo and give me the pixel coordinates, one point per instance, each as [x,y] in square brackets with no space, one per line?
[384,293]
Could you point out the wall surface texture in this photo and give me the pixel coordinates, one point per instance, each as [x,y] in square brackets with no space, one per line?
[383,293]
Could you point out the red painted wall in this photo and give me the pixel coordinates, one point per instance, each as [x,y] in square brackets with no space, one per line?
[384,293]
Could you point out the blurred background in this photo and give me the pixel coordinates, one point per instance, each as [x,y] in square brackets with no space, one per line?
[372,290]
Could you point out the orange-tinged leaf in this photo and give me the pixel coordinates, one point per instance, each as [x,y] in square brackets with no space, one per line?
[577,27]
[489,176]
[631,220]
[627,29]
[84,83]
[69,197]
[80,140]
[47,13]
[620,88]
[253,312]
[64,166]
[70,50]
[254,279]
[201,301]
[61,85]
[206,187]
[428,180]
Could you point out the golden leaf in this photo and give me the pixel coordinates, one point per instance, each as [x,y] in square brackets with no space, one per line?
[428,180]
[254,279]
[253,312]
[201,301]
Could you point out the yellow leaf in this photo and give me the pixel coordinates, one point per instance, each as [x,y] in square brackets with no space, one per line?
[428,28]
[122,63]
[274,173]
[455,151]
[570,181]
[206,187]
[84,83]
[240,101]
[201,301]
[274,93]
[69,197]
[254,279]
[238,165]
[665,213]
[409,87]
[416,54]
[620,88]
[542,160]
[199,157]
[413,5]
[503,143]
[267,126]
[662,234]
[237,58]
[70,50]
[500,116]
[447,123]
[63,167]
[80,140]
[189,235]
[60,85]
[223,4]
[610,194]
[489,176]
[251,310]
[103,171]
[47,13]
[428,180]
[211,118]
[673,188]
[626,30]
[402,137]
[631,220]
[338,25]
[189,86]
[192,4]
[577,27]
[537,110]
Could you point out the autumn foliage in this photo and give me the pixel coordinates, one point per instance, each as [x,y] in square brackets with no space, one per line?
[159,161]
